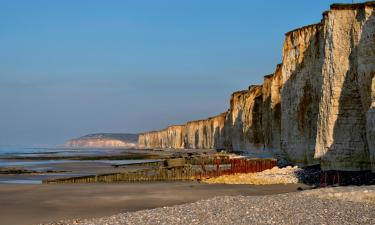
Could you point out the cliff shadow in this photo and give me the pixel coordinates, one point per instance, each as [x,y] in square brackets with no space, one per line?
[196,139]
[219,138]
[255,132]
[237,132]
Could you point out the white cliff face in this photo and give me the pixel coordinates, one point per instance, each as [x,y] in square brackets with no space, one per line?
[171,137]
[300,93]
[347,72]
[244,123]
[317,108]
[104,140]
[200,134]
[271,111]
[100,144]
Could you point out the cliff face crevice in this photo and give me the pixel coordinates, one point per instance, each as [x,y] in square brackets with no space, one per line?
[318,107]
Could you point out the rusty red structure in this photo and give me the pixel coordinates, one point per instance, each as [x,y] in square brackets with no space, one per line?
[233,166]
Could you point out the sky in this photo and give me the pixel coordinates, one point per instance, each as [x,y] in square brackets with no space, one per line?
[74,67]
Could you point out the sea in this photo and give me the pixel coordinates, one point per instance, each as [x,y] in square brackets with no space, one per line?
[43,159]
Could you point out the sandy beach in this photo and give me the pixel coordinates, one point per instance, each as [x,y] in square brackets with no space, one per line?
[33,204]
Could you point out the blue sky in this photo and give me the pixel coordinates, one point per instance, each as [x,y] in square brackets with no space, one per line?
[68,68]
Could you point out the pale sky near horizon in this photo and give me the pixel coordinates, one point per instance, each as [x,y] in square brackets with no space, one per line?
[73,67]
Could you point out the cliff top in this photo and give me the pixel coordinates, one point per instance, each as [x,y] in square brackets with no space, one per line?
[336,6]
[189,122]
[268,76]
[252,87]
[352,6]
[302,28]
[209,118]
[240,92]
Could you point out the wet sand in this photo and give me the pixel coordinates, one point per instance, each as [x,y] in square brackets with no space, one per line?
[73,165]
[72,169]
[32,204]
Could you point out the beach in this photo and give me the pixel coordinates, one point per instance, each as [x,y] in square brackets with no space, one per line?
[25,200]
[25,204]
[261,197]
[340,205]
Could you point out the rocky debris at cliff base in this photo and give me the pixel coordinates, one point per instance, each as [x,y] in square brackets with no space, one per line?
[276,175]
[306,207]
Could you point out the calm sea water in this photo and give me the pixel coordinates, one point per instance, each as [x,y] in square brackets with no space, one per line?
[6,153]
[58,151]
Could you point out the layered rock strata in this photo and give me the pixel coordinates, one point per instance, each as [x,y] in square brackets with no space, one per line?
[318,107]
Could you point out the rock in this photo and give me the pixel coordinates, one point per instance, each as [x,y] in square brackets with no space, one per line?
[243,127]
[271,111]
[318,107]
[200,134]
[300,93]
[104,140]
[347,71]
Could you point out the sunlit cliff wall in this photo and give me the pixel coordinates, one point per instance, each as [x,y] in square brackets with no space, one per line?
[243,128]
[104,140]
[206,134]
[171,137]
[318,107]
[271,111]
[300,92]
[345,118]
[200,134]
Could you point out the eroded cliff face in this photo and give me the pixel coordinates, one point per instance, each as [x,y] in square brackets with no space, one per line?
[345,107]
[271,111]
[200,134]
[300,93]
[244,123]
[318,107]
[171,137]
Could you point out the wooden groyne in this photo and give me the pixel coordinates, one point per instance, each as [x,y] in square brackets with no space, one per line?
[178,170]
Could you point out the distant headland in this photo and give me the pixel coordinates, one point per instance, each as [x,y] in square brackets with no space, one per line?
[104,140]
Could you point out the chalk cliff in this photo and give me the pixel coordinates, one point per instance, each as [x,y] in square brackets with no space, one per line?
[300,92]
[318,107]
[200,134]
[271,111]
[104,140]
[243,130]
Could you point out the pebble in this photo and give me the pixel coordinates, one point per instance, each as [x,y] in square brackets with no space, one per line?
[306,207]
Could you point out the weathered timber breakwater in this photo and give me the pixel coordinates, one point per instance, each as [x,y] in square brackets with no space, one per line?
[317,108]
[178,169]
